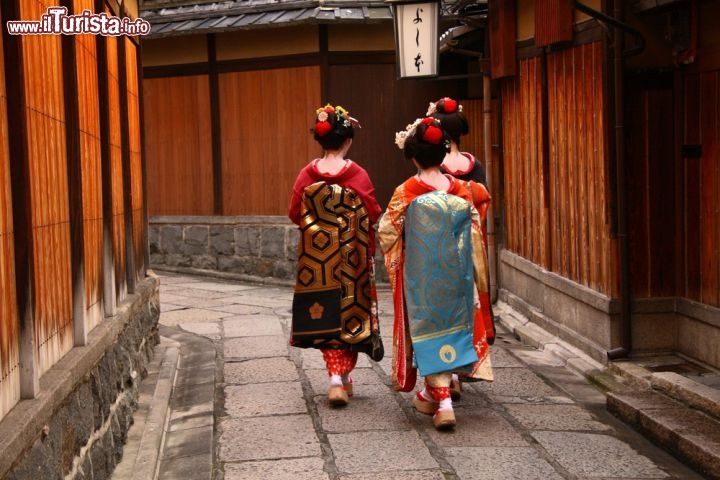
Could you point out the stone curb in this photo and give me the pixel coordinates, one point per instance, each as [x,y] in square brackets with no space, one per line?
[153,436]
[534,336]
[141,453]
[188,448]
[179,408]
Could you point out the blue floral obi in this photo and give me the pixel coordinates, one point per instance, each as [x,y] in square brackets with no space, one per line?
[439,282]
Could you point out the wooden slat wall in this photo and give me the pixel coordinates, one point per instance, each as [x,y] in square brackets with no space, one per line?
[138,218]
[565,230]
[9,335]
[265,118]
[582,248]
[178,145]
[118,208]
[701,280]
[36,127]
[89,118]
[265,121]
[44,110]
[525,203]
[650,159]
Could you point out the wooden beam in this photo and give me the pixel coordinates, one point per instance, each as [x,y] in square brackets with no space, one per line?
[502,26]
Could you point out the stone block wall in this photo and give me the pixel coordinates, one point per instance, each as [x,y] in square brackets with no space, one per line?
[76,427]
[261,247]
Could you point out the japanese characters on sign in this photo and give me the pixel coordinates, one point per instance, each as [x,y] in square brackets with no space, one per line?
[417,38]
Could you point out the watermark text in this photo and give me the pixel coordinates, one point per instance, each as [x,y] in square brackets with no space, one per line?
[57,22]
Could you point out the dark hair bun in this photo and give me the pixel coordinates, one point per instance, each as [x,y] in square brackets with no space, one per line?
[333,125]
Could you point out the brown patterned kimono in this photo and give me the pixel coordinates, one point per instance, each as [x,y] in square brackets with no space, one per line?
[335,303]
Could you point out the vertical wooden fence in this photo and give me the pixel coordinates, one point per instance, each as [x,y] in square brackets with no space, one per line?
[116,167]
[90,148]
[9,334]
[48,182]
[263,132]
[701,190]
[134,147]
[556,182]
[179,142]
[265,136]
[58,123]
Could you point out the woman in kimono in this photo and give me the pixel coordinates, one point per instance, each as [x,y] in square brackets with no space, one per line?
[432,241]
[465,166]
[335,302]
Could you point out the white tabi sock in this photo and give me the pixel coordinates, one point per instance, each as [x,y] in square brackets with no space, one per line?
[336,380]
[445,404]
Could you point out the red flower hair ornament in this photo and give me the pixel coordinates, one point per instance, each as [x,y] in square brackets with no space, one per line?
[444,105]
[322,128]
[433,135]
[322,119]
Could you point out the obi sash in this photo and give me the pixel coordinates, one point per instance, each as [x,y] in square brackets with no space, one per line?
[439,282]
[334,302]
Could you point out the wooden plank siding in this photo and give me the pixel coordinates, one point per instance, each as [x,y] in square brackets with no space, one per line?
[136,188]
[9,334]
[562,225]
[178,145]
[89,126]
[265,118]
[45,117]
[702,188]
[525,206]
[582,247]
[265,115]
[710,189]
[693,178]
[116,170]
[674,201]
[56,152]
[650,160]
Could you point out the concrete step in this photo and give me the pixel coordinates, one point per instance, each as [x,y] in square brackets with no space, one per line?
[689,434]
[676,412]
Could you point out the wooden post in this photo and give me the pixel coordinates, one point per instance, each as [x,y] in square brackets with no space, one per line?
[74,175]
[22,214]
[109,296]
[130,275]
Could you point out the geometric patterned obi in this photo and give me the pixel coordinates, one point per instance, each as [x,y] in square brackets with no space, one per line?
[334,304]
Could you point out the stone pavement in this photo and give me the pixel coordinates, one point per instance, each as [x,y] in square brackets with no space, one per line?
[226,398]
